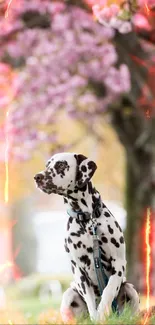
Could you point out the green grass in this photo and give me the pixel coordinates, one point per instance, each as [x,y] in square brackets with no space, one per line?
[32,307]
[126,318]
[24,298]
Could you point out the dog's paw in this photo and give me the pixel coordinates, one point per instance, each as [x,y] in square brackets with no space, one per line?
[67,316]
[100,318]
[102,313]
[94,316]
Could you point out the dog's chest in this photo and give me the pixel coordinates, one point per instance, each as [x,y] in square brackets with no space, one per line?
[79,243]
[79,238]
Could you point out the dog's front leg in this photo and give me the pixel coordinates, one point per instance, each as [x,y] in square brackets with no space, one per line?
[91,303]
[110,291]
[83,283]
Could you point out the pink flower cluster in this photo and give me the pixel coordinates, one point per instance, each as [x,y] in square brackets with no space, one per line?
[141,18]
[110,16]
[149,3]
[69,67]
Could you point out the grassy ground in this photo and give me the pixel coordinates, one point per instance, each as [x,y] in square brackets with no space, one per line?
[33,307]
[37,312]
[25,308]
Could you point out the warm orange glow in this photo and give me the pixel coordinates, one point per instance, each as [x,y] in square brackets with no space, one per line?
[148,264]
[147,9]
[146,318]
[6,188]
[148,258]
[7,10]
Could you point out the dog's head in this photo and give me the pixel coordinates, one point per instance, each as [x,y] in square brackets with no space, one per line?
[65,171]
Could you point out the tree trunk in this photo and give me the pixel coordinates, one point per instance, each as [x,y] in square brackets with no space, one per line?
[139,197]
[140,192]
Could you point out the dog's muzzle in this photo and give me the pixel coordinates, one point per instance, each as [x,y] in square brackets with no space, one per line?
[44,184]
[39,178]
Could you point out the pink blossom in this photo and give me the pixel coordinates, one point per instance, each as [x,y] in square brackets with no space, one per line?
[64,65]
[104,15]
[101,3]
[125,27]
[109,16]
[140,21]
[149,3]
[118,80]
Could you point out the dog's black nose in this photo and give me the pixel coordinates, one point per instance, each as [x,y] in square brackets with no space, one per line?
[38,177]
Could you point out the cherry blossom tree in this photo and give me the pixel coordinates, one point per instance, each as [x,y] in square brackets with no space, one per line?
[87,58]
[67,76]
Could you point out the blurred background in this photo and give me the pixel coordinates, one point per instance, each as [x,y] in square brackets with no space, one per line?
[79,80]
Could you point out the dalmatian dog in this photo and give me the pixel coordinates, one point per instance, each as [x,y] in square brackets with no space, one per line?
[69,175]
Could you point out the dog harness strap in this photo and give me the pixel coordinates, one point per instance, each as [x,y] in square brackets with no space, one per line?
[85,216]
[80,215]
[101,276]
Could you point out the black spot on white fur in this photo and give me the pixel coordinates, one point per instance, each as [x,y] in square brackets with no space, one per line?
[73,262]
[89,249]
[70,220]
[107,214]
[61,167]
[84,202]
[111,231]
[69,240]
[104,239]
[121,239]
[85,260]
[118,226]
[114,242]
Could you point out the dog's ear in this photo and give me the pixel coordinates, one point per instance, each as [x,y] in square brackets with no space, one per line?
[85,170]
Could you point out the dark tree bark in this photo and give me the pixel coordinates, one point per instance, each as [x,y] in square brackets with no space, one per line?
[134,122]
[138,138]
